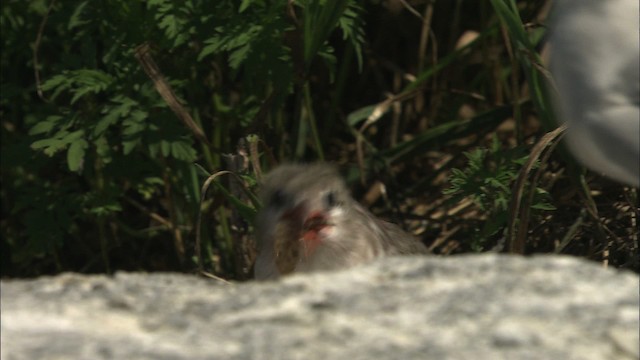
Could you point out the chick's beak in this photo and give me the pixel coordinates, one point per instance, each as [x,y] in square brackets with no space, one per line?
[312,227]
[309,225]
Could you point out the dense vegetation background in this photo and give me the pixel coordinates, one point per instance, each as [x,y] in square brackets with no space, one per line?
[116,115]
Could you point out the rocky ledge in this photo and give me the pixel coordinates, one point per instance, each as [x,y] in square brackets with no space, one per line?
[461,307]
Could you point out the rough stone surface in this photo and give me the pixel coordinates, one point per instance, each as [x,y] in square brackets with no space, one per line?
[465,307]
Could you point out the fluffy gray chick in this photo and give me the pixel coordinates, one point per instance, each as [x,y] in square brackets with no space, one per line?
[309,222]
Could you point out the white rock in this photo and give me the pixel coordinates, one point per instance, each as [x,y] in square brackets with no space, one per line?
[462,307]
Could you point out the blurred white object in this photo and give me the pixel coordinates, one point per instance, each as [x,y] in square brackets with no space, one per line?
[595,62]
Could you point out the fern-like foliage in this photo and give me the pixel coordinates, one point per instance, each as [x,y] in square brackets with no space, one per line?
[101,128]
[487,181]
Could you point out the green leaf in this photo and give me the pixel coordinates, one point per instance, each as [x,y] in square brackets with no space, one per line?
[73,136]
[182,150]
[56,81]
[239,55]
[46,125]
[47,143]
[207,50]
[166,148]
[543,206]
[355,117]
[129,145]
[76,18]
[75,155]
[244,5]
[247,212]
[319,20]
[103,149]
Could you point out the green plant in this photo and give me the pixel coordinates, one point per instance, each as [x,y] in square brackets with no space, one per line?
[487,182]
[102,151]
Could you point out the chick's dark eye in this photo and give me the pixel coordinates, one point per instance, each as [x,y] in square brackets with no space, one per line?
[278,198]
[331,199]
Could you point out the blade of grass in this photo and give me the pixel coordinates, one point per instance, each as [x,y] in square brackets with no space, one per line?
[517,240]
[446,132]
[245,211]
